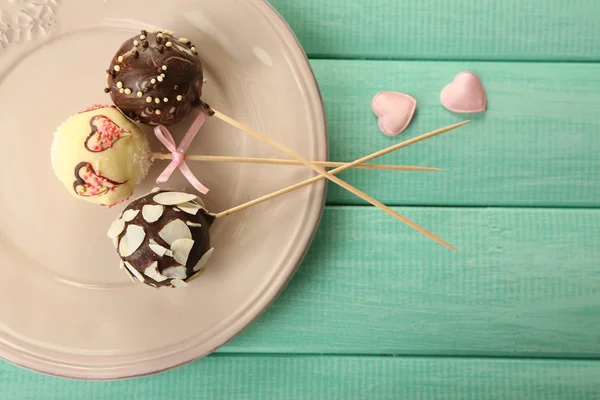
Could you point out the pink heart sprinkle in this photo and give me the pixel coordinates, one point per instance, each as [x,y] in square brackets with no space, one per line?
[395,111]
[465,94]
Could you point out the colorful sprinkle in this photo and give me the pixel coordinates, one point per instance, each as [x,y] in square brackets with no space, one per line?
[164,67]
[179,98]
[166,100]
[117,68]
[90,183]
[148,99]
[139,94]
[153,81]
[94,107]
[157,100]
[105,135]
[120,59]
[127,91]
[119,84]
[159,78]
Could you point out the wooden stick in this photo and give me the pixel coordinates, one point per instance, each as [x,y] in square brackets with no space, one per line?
[334,179]
[278,161]
[340,169]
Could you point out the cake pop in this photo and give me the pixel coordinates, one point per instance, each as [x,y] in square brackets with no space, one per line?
[155,78]
[163,238]
[174,216]
[128,80]
[99,155]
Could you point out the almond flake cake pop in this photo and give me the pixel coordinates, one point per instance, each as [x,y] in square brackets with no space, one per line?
[99,155]
[163,238]
[155,78]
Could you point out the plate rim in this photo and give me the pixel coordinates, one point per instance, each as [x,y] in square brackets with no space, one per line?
[270,293]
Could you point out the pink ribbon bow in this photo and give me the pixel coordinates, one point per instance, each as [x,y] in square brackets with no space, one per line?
[163,134]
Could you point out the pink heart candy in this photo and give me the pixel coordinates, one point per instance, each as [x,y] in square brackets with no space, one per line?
[465,94]
[395,111]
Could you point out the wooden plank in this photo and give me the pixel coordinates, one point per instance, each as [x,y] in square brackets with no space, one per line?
[536,145]
[344,378]
[526,283]
[442,30]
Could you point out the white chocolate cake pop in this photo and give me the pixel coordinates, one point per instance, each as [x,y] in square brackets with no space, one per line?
[100,155]
[163,238]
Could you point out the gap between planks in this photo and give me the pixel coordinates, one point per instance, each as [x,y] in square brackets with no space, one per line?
[319,57]
[404,356]
[570,208]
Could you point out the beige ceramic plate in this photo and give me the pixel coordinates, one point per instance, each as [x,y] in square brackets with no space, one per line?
[67,309]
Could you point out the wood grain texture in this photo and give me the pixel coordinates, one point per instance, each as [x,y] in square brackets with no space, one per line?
[527,283]
[440,29]
[319,378]
[536,145]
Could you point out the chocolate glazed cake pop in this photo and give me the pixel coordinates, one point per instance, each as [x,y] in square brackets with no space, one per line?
[163,238]
[155,78]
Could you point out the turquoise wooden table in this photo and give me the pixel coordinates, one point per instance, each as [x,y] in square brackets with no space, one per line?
[377,311]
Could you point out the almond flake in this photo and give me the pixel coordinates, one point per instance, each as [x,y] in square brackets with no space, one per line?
[173,198]
[132,240]
[200,202]
[176,229]
[129,215]
[157,248]
[177,272]
[204,259]
[196,276]
[116,242]
[130,275]
[152,272]
[181,250]
[134,271]
[179,283]
[193,224]
[116,228]
[121,264]
[152,213]
[189,207]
